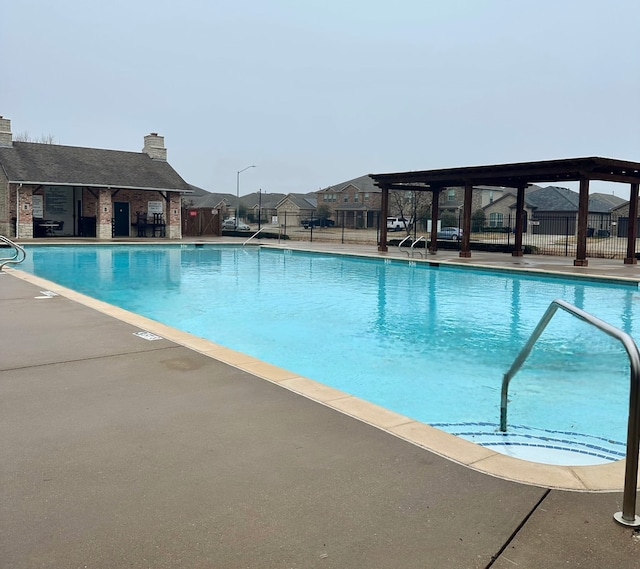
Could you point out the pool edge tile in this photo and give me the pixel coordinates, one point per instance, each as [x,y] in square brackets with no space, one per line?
[369,412]
[313,390]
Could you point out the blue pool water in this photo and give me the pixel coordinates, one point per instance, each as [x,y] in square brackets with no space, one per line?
[430,343]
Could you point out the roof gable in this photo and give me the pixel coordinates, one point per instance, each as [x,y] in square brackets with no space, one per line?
[52,164]
[301,201]
[362,183]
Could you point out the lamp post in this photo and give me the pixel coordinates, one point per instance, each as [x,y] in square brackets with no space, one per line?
[238,191]
[259,208]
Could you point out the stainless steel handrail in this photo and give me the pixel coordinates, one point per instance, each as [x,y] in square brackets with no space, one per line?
[18,251]
[628,515]
[402,242]
[421,238]
[256,233]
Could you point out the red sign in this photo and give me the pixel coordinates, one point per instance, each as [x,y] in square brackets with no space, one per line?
[193,213]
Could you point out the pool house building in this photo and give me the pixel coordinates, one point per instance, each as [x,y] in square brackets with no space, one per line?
[51,190]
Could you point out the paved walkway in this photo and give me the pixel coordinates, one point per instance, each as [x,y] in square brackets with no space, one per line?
[120,451]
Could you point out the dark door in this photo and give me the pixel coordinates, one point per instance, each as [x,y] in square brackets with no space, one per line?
[121,219]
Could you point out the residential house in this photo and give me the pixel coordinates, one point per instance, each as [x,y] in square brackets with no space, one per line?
[294,208]
[553,210]
[262,206]
[355,204]
[65,191]
[620,219]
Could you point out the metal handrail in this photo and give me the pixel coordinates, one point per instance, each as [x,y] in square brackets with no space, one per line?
[401,243]
[627,516]
[19,253]
[256,233]
[421,238]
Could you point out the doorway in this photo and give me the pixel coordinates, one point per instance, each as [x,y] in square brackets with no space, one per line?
[121,219]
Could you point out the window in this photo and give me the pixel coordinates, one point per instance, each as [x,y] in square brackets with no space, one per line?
[451,196]
[346,199]
[495,219]
[356,197]
[366,196]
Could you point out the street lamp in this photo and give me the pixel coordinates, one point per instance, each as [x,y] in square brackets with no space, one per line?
[238,191]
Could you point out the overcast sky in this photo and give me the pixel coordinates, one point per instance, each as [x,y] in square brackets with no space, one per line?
[316,92]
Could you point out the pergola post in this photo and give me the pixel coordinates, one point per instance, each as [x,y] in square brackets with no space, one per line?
[630,259]
[435,215]
[384,212]
[465,251]
[583,211]
[517,248]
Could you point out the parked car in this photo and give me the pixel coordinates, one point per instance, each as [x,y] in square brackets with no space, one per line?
[451,233]
[398,224]
[306,223]
[231,225]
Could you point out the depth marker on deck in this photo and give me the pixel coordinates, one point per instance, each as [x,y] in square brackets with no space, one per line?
[47,294]
[147,336]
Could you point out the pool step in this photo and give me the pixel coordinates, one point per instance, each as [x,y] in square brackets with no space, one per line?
[539,445]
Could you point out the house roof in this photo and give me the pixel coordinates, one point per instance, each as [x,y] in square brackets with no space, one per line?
[267,200]
[302,201]
[363,183]
[554,198]
[56,165]
[609,199]
[209,200]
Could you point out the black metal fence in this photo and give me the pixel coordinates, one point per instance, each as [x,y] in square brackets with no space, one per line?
[556,235]
[543,235]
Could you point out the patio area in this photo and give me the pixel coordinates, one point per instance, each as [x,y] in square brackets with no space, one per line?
[132,445]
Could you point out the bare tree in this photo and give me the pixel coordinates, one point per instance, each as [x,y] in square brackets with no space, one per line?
[410,205]
[26,137]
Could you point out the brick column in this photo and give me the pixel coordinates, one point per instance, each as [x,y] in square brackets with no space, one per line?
[25,213]
[104,215]
[174,214]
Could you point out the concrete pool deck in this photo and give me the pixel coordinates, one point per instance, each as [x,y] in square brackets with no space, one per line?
[121,451]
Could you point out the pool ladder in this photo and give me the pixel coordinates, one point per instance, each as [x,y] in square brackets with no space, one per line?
[627,516]
[19,254]
[412,251]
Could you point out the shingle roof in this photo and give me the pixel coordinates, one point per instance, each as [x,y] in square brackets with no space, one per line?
[209,199]
[363,183]
[611,200]
[52,164]
[553,198]
[302,201]
[268,200]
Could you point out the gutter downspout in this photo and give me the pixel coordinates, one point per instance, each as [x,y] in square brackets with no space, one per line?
[18,210]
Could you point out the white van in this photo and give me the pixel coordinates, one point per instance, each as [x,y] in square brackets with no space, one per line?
[398,224]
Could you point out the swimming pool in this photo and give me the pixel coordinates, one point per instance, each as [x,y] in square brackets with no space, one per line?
[431,343]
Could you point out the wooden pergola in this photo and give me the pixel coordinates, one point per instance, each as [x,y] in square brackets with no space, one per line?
[518,176]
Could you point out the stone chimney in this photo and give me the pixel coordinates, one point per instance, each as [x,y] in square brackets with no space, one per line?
[6,138]
[154,147]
